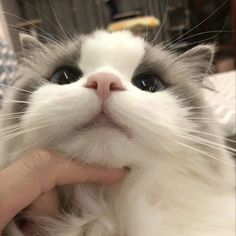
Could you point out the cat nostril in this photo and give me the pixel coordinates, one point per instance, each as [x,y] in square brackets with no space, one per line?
[104,84]
[92,84]
[115,86]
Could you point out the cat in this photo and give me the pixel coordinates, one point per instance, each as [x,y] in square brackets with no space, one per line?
[116,100]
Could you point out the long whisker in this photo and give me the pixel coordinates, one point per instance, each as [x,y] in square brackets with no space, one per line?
[206,142]
[12,113]
[188,98]
[207,39]
[217,9]
[14,101]
[19,29]
[16,126]
[172,154]
[20,18]
[202,33]
[37,142]
[12,128]
[226,104]
[200,41]
[202,152]
[209,134]
[199,108]
[19,89]
[202,119]
[13,117]
[16,113]
[163,21]
[55,15]
[17,134]
[44,17]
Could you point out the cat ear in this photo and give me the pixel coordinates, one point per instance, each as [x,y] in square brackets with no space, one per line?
[200,56]
[200,59]
[29,43]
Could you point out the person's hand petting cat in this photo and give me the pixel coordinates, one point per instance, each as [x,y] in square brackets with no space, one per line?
[31,181]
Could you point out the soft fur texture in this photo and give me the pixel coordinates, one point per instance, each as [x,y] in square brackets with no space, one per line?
[182,178]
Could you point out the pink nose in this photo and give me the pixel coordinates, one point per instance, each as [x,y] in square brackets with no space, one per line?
[104,84]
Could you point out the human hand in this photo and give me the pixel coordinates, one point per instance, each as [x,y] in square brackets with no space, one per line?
[32,180]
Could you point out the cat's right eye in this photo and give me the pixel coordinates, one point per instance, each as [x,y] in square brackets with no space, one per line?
[66,75]
[149,82]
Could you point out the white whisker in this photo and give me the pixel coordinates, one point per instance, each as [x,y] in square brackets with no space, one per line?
[44,17]
[211,135]
[206,142]
[19,29]
[202,152]
[217,9]
[200,41]
[36,143]
[14,101]
[55,15]
[12,113]
[20,18]
[163,20]
[15,88]
[25,131]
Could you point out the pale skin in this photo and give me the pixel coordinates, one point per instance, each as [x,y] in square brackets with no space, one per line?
[30,182]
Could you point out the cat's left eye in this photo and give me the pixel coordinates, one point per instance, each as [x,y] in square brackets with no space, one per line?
[66,75]
[149,82]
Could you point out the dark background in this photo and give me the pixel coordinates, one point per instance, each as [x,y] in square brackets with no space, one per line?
[216,18]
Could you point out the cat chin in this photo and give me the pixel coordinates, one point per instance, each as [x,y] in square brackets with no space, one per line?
[104,146]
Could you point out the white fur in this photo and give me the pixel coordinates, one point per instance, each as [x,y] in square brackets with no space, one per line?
[171,189]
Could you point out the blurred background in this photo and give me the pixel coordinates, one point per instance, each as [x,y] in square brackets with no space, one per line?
[183,23]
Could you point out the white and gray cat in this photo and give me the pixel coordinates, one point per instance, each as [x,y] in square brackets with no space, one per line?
[115,100]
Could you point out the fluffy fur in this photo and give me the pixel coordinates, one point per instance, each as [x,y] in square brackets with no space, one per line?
[181,180]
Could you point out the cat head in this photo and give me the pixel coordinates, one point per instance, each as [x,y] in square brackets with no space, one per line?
[108,98]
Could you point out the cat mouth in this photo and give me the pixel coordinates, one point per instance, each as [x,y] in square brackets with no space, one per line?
[102,121]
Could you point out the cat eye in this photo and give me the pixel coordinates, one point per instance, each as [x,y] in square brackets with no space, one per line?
[149,82]
[66,75]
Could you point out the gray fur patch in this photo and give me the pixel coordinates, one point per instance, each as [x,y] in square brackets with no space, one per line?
[36,68]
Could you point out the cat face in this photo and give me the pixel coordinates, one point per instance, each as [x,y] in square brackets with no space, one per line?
[108,98]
